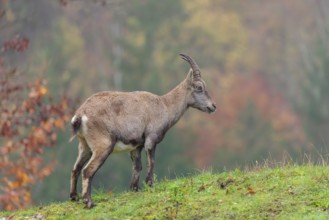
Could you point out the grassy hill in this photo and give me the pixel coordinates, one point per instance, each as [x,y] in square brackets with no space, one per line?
[288,192]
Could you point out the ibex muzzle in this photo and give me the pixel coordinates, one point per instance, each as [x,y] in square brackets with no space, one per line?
[113,122]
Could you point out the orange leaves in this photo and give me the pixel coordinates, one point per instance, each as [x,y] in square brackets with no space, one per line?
[7,147]
[17,44]
[29,123]
[29,120]
[38,89]
[59,123]
[39,136]
[47,125]
[46,171]
[250,191]
[42,91]
[22,179]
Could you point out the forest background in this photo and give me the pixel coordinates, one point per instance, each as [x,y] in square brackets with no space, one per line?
[266,64]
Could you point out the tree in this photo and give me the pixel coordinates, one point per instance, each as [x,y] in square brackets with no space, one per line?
[29,120]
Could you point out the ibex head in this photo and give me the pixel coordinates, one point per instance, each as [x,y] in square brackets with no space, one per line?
[199,97]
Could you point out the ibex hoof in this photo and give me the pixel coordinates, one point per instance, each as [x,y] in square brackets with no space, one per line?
[134,188]
[89,203]
[74,197]
[149,182]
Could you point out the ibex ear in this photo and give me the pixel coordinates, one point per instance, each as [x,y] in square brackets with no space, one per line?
[190,76]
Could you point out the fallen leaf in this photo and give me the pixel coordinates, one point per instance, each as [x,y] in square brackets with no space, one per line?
[251,191]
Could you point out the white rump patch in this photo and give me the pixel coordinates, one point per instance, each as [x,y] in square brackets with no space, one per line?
[120,147]
[84,120]
[73,119]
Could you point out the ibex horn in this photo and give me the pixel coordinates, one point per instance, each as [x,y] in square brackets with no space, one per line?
[194,66]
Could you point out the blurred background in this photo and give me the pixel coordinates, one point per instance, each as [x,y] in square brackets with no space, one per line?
[266,65]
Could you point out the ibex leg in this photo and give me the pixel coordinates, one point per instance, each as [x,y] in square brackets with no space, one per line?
[150,153]
[136,169]
[83,157]
[99,155]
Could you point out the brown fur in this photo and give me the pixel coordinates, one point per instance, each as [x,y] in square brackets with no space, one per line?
[137,118]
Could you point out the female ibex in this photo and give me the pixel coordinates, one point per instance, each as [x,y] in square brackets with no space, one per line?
[111,122]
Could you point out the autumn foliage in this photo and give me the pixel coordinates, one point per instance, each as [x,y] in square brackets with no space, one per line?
[252,115]
[29,120]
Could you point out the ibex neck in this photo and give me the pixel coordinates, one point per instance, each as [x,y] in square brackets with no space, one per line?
[176,102]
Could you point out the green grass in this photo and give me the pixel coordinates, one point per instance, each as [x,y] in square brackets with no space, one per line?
[288,192]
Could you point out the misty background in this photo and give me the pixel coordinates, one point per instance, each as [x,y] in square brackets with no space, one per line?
[266,65]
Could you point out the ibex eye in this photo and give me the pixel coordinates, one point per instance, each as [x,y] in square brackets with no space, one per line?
[198,88]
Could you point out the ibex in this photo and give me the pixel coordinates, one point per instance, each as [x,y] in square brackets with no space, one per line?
[113,122]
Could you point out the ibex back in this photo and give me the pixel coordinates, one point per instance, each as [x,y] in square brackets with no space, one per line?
[111,122]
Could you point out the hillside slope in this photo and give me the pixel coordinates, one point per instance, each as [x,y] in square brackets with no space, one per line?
[289,192]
